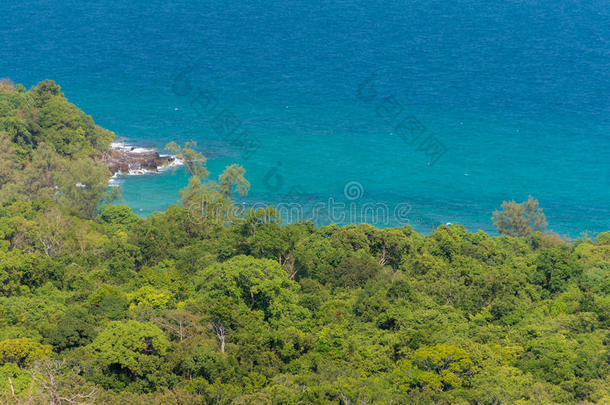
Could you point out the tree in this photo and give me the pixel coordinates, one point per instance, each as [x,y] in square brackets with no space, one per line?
[44,90]
[180,323]
[315,257]
[243,289]
[232,180]
[82,184]
[390,245]
[39,177]
[554,267]
[355,271]
[117,215]
[192,160]
[553,357]
[520,219]
[74,329]
[208,202]
[220,317]
[437,368]
[259,284]
[21,272]
[149,296]
[14,380]
[56,388]
[130,345]
[51,231]
[276,242]
[603,238]
[22,351]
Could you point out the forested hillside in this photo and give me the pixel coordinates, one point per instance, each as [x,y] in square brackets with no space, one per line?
[48,149]
[218,306]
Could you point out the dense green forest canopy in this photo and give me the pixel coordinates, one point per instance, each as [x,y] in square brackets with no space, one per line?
[98,305]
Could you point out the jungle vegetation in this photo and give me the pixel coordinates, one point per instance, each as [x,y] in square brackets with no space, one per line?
[99,305]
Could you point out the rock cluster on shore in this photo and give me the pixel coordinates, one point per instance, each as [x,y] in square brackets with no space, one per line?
[130,159]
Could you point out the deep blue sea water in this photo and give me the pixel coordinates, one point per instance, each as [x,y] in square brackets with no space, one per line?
[517,94]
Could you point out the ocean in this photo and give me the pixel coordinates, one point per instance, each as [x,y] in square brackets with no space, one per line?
[389,112]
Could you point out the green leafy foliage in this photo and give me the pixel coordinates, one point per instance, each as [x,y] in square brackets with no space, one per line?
[22,351]
[520,219]
[48,145]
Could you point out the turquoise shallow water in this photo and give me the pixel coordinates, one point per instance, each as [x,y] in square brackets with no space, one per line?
[515,92]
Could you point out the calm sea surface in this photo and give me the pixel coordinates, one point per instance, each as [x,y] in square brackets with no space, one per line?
[392,112]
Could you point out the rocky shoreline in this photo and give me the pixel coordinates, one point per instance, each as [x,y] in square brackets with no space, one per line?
[125,159]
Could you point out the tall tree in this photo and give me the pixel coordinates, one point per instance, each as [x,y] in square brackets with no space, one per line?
[520,219]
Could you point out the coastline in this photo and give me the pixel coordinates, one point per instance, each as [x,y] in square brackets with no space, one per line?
[124,159]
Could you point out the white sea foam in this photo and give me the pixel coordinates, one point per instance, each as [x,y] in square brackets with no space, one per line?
[125,147]
[138,172]
[174,163]
[116,178]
